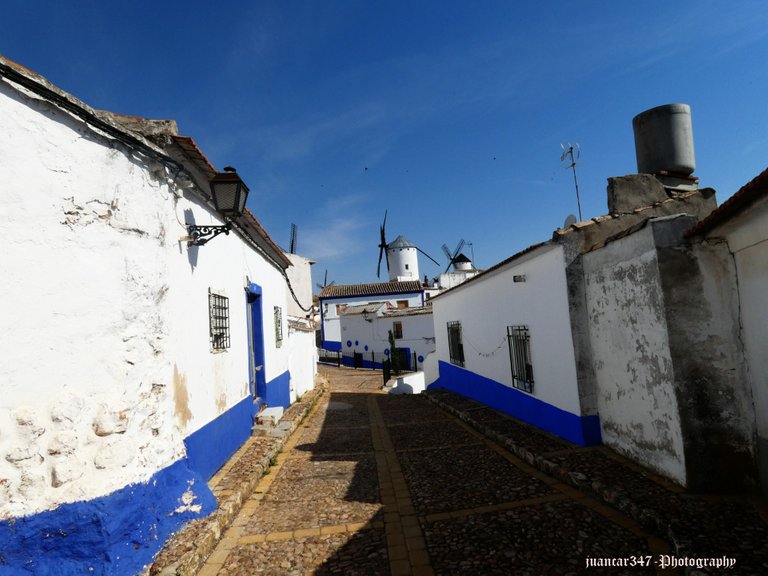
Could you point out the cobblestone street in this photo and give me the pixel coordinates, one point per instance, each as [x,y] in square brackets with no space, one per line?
[370,483]
[379,484]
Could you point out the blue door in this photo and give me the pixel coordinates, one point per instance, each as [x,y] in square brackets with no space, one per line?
[257,377]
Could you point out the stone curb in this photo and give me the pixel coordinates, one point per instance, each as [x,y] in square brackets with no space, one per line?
[202,536]
[613,496]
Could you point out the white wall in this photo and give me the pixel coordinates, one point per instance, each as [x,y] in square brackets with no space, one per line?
[107,364]
[488,304]
[300,275]
[418,334]
[303,361]
[331,324]
[632,361]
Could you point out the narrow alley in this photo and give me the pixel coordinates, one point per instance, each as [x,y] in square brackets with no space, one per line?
[379,484]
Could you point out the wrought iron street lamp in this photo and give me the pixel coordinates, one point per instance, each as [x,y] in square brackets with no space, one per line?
[229,194]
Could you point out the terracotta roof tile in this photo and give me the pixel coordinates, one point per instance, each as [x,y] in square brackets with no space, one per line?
[375,289]
[748,194]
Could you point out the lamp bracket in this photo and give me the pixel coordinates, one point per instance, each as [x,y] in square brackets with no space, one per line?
[202,234]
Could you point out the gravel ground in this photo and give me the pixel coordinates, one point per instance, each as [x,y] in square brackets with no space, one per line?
[438,433]
[553,538]
[458,478]
[363,553]
[435,498]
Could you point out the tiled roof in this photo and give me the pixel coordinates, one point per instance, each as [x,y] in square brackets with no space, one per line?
[370,308]
[747,195]
[375,289]
[191,149]
[247,222]
[409,311]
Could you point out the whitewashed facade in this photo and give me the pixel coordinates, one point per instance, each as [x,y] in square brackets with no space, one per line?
[334,299]
[302,327]
[115,396]
[527,290]
[366,329]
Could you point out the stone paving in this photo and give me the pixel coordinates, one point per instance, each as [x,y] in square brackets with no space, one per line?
[436,484]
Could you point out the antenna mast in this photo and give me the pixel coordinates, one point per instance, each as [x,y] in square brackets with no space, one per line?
[293,239]
[573,152]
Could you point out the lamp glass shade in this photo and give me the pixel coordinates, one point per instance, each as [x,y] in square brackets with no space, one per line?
[229,194]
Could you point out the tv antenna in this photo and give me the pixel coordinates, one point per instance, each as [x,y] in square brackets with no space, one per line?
[573,152]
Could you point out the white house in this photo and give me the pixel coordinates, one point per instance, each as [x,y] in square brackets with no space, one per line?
[334,299]
[517,336]
[643,328]
[504,338]
[133,361]
[365,334]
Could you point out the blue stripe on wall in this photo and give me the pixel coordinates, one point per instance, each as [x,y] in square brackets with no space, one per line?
[210,447]
[582,430]
[115,534]
[279,391]
[331,345]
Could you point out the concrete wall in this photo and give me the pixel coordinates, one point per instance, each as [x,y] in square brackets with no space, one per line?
[485,307]
[667,356]
[632,362]
[115,409]
[746,237]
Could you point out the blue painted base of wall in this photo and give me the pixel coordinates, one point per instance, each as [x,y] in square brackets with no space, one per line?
[116,534]
[581,430]
[210,447]
[119,533]
[278,391]
[331,345]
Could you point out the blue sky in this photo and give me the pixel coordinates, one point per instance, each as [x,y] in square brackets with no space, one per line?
[450,115]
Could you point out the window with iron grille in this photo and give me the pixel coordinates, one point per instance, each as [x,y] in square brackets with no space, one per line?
[519,340]
[218,321]
[397,329]
[278,326]
[455,345]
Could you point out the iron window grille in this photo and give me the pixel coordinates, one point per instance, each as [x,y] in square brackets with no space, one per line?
[397,329]
[455,345]
[218,318]
[519,340]
[278,326]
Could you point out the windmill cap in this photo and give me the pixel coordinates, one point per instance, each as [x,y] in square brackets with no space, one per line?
[401,242]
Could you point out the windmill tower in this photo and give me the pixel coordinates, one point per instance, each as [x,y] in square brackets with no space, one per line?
[402,256]
[403,260]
